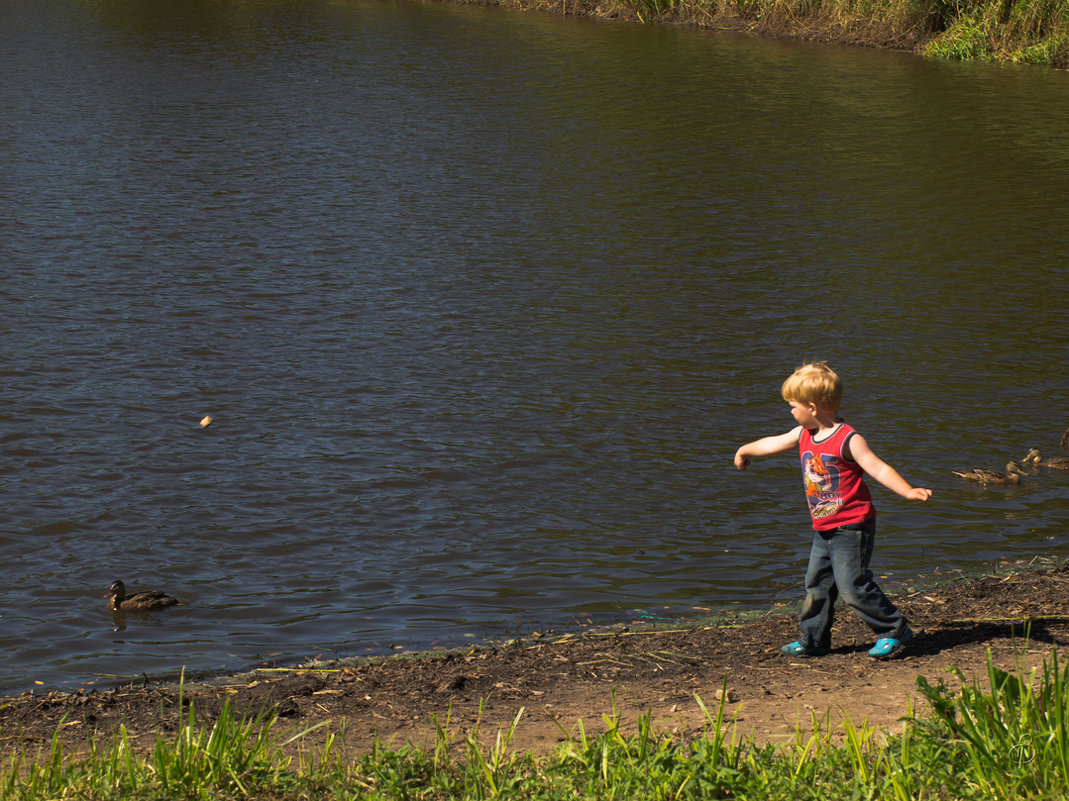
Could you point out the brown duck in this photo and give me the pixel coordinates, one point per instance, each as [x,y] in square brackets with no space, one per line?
[984,476]
[119,601]
[1035,457]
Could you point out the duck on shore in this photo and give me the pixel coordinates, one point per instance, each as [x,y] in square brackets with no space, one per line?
[147,601]
[1035,457]
[984,476]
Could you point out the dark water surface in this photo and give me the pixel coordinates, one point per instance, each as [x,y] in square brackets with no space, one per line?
[482,304]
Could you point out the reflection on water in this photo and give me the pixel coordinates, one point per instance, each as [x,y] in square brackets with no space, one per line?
[481,310]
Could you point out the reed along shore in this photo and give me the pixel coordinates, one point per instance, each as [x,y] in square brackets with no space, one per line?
[1008,31]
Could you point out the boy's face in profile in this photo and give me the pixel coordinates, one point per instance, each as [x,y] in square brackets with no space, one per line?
[805,414]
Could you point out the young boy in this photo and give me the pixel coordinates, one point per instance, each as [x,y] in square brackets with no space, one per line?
[844,518]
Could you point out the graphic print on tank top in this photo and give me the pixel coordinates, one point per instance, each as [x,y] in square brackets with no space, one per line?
[821,485]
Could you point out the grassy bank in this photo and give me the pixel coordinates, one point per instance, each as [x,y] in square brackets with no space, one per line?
[1020,31]
[1004,737]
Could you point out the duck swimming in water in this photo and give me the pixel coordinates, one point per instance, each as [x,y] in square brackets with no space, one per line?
[1035,457]
[119,601]
[984,476]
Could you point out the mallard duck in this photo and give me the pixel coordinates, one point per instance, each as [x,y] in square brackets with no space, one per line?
[984,476]
[1065,440]
[119,601]
[1035,456]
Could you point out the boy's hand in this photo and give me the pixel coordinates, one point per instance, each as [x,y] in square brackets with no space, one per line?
[741,462]
[919,494]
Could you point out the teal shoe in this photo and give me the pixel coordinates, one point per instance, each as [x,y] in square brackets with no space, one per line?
[797,649]
[887,647]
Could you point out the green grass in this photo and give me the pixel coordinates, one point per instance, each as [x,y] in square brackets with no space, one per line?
[1021,31]
[1004,737]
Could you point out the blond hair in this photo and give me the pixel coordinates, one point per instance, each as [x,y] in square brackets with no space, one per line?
[815,383]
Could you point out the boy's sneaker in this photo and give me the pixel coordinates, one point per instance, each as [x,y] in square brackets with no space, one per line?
[887,647]
[797,649]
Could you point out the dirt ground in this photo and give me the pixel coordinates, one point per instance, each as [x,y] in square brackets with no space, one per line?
[559,679]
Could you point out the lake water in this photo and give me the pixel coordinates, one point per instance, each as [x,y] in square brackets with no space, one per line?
[481,304]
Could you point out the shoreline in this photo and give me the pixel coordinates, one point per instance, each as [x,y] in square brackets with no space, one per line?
[975,30]
[619,621]
[554,683]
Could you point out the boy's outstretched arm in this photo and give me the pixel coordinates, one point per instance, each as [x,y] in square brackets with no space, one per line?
[767,446]
[876,467]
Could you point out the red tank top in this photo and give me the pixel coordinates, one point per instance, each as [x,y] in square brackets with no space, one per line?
[834,485]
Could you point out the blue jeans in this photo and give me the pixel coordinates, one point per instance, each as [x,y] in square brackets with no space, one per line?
[839,566]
